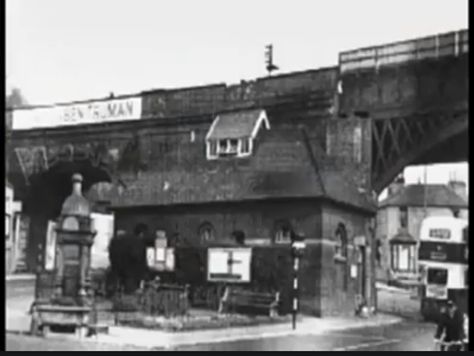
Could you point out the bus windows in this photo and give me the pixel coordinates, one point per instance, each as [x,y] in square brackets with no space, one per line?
[444,234]
[437,276]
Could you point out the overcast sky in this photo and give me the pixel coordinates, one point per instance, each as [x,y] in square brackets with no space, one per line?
[62,50]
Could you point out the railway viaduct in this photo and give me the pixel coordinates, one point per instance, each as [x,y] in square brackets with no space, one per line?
[379,110]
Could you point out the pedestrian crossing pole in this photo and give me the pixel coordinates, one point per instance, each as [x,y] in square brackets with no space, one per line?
[295,289]
[297,248]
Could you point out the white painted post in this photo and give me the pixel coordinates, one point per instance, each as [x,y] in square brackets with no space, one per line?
[295,290]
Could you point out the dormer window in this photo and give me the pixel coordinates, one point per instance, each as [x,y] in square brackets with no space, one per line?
[233,134]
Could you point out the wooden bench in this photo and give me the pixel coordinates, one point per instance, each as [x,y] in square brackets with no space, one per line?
[244,298]
[45,316]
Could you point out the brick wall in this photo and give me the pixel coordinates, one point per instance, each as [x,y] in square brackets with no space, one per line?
[271,271]
[256,219]
[338,287]
[272,264]
[349,149]
[326,285]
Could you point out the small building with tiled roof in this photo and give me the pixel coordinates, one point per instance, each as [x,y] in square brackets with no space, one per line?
[399,219]
[250,174]
[221,166]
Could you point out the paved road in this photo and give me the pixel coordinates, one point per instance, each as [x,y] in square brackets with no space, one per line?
[408,336]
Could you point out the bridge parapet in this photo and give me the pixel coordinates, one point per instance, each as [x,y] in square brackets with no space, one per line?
[442,45]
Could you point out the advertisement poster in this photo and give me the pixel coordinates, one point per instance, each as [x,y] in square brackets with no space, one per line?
[353,271]
[22,243]
[103,224]
[150,257]
[50,250]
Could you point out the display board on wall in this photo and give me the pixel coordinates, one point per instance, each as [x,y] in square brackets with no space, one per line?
[161,257]
[229,264]
[103,224]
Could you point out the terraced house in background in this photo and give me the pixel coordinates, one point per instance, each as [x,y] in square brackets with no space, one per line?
[245,164]
[399,220]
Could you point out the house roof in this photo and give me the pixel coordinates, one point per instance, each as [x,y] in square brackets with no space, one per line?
[238,124]
[414,195]
[281,166]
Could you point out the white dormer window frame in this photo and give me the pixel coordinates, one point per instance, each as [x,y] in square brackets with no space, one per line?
[244,148]
[241,148]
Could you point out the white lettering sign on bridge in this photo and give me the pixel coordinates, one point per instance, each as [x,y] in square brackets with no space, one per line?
[78,114]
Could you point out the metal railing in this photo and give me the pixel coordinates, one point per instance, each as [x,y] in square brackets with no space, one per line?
[155,299]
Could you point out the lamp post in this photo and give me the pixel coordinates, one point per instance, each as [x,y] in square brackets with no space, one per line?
[297,250]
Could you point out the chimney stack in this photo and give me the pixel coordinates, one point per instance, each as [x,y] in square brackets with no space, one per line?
[459,187]
[396,186]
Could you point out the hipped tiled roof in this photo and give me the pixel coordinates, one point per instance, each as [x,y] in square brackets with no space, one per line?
[417,194]
[281,166]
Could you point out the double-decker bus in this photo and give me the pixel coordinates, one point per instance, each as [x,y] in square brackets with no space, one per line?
[443,264]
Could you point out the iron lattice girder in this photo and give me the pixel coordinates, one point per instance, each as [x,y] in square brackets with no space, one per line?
[393,138]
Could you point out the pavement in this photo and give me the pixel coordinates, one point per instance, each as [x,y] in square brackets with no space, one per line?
[404,336]
[305,326]
[20,297]
[398,301]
